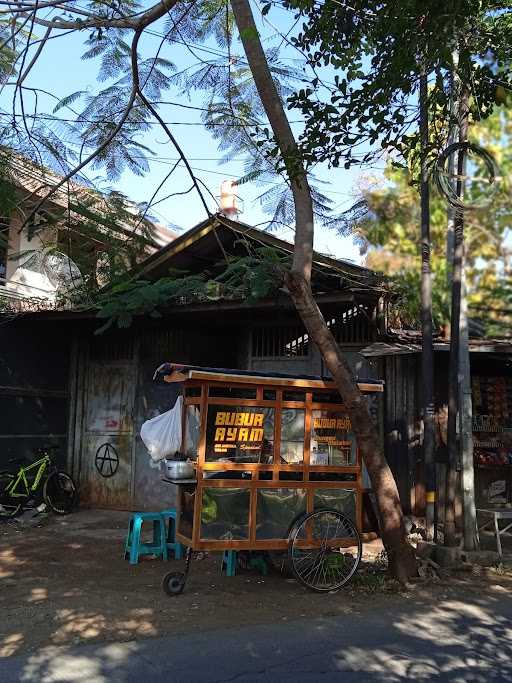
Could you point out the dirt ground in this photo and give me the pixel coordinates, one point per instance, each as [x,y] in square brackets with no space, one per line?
[66,582]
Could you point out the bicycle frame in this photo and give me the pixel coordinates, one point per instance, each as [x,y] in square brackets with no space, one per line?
[21,478]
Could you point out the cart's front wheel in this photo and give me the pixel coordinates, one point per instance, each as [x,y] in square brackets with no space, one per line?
[173,583]
[324,548]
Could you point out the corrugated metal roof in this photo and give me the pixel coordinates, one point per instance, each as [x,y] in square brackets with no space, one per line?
[402,347]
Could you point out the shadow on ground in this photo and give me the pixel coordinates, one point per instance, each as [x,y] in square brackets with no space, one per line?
[66,584]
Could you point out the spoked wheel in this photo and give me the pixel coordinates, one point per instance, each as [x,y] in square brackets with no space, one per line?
[9,507]
[59,493]
[324,548]
[173,583]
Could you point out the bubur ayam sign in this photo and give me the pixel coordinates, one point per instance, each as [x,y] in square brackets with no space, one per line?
[327,430]
[234,429]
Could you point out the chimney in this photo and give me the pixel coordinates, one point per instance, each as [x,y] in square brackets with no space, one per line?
[228,199]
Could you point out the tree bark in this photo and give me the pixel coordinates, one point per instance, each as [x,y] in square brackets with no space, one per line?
[427,353]
[402,562]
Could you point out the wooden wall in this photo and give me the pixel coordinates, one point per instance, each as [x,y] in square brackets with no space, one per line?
[402,428]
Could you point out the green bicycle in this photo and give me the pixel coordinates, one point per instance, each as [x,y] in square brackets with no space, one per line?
[58,488]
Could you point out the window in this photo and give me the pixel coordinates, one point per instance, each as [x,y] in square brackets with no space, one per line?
[332,439]
[326,397]
[353,326]
[240,434]
[276,510]
[292,436]
[192,431]
[290,341]
[225,514]
[343,500]
[232,392]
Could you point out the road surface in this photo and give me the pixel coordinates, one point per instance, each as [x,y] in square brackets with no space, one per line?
[466,641]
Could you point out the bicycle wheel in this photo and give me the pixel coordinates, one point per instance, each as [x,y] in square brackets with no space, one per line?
[324,548]
[9,506]
[59,492]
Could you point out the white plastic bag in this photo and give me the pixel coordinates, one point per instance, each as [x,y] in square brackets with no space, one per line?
[162,434]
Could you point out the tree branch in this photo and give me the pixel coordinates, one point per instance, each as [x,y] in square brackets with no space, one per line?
[145,19]
[303,250]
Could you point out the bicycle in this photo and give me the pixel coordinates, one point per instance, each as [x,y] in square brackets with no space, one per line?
[58,489]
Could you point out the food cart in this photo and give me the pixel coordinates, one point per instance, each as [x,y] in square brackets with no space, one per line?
[276,468]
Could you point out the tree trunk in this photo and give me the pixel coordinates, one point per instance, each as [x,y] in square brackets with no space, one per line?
[427,353]
[402,561]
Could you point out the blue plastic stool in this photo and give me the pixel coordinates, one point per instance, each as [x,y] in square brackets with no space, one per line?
[229,562]
[170,517]
[133,547]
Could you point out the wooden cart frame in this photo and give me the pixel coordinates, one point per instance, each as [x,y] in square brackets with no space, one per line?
[268,392]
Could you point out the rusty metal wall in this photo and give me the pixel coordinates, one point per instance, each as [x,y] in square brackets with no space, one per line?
[213,347]
[34,362]
[119,395]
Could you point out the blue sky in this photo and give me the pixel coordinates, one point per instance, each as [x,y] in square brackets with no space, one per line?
[61,70]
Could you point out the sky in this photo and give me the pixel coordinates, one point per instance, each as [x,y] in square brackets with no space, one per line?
[60,70]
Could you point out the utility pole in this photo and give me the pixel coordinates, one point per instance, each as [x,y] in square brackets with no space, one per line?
[427,354]
[454,376]
[466,423]
[460,399]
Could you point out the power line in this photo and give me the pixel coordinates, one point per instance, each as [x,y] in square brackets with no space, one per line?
[46,117]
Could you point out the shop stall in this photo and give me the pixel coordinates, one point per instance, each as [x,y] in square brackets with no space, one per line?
[275,467]
[492,438]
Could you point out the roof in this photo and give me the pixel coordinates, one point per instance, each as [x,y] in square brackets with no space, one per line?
[37,181]
[172,372]
[216,237]
[400,348]
[203,250]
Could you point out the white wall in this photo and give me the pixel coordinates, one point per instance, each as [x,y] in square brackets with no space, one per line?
[24,278]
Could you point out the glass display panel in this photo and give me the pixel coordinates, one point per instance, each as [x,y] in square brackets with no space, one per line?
[292,435]
[269,395]
[232,392]
[276,510]
[192,430]
[265,476]
[291,476]
[343,500]
[227,474]
[239,434]
[186,516]
[225,514]
[193,391]
[332,476]
[294,396]
[332,439]
[326,397]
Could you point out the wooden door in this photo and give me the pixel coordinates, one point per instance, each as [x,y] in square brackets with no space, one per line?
[107,467]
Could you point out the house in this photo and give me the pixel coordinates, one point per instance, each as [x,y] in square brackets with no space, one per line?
[47,251]
[83,391]
[397,359]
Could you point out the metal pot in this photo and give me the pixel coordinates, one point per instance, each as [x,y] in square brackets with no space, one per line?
[179,470]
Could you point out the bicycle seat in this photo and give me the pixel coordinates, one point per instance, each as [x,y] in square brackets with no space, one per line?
[43,450]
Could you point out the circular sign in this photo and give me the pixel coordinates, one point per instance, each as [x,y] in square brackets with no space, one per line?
[106,460]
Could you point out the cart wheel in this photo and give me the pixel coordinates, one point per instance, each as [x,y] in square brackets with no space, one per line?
[324,548]
[173,583]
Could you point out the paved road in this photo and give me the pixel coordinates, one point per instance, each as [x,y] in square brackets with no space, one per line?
[466,642]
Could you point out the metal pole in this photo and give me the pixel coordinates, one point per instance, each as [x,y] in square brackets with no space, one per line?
[466,423]
[427,355]
[455,337]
